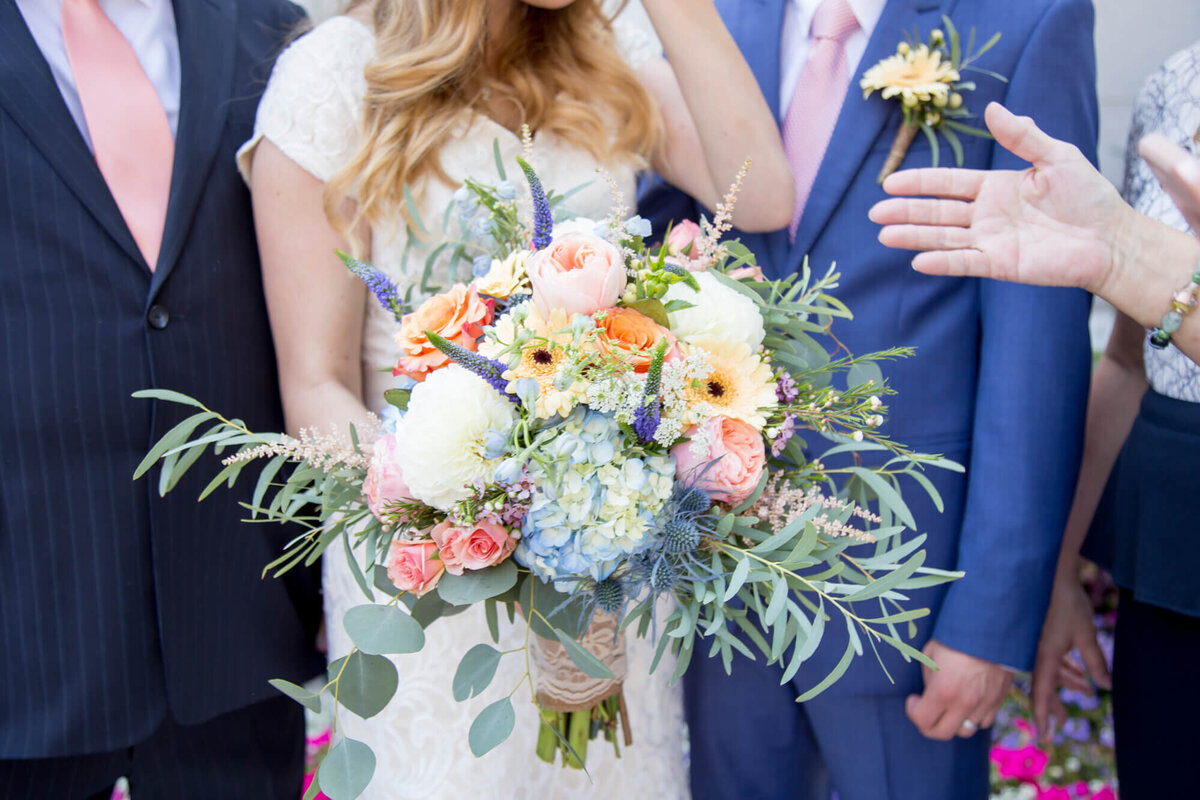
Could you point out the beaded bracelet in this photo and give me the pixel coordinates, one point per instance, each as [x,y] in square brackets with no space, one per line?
[1182,303]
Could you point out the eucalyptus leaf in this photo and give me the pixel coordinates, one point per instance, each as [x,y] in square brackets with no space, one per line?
[346,770]
[381,629]
[474,586]
[864,373]
[298,693]
[563,611]
[475,671]
[583,658]
[491,727]
[365,682]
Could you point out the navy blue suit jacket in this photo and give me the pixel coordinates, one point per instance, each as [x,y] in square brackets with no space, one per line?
[999,379]
[118,606]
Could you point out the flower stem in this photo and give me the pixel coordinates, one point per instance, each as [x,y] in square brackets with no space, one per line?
[904,139]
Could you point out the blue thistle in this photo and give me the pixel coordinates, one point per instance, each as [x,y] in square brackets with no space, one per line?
[609,595]
[691,501]
[489,369]
[649,413]
[543,219]
[379,284]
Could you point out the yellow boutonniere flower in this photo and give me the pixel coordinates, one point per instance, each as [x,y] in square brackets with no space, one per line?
[927,79]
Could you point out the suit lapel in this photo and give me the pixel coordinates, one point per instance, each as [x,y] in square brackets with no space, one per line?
[31,97]
[861,122]
[207,41]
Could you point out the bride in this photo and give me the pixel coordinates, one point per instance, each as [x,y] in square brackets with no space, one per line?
[416,93]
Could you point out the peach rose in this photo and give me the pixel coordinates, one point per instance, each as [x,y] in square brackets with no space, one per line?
[731,468]
[579,274]
[683,242]
[459,315]
[384,483]
[414,566]
[635,336]
[475,547]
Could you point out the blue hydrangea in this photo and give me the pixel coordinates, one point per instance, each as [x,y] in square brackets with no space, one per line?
[507,190]
[481,266]
[638,226]
[594,506]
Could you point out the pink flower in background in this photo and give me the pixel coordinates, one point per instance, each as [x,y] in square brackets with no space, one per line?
[308,779]
[1024,764]
[1053,793]
[579,274]
[480,545]
[1106,793]
[686,236]
[414,566]
[384,483]
[731,467]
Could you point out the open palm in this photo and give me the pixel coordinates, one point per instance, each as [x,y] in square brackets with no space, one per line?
[1051,224]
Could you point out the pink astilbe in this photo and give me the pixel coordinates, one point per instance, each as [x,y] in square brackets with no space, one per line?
[722,222]
[325,451]
[781,502]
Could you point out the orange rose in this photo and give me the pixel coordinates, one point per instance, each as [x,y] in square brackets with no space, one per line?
[634,336]
[459,315]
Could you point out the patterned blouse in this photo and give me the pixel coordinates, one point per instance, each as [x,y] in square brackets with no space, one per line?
[1169,103]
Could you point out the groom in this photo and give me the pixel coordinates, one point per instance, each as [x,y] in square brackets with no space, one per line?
[998,384]
[136,633]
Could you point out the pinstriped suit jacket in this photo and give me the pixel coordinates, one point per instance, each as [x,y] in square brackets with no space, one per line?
[117,606]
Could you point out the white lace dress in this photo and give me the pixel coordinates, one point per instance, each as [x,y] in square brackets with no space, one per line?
[311,112]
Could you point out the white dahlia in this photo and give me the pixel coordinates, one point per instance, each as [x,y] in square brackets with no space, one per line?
[442,438]
[717,311]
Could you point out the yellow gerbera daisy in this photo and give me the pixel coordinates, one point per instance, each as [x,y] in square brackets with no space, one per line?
[739,384]
[918,76]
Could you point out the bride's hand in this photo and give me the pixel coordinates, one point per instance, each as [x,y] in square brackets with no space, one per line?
[1178,171]
[1057,223]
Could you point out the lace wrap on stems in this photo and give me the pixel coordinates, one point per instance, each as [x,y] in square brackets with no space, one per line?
[559,685]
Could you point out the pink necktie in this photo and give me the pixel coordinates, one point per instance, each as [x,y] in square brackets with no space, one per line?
[131,137]
[820,91]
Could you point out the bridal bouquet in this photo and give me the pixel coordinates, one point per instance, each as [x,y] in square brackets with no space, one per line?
[600,436]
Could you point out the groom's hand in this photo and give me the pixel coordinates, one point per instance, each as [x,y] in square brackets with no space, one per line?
[962,689]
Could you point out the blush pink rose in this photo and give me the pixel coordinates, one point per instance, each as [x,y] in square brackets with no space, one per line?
[384,483]
[579,274]
[473,547]
[414,566]
[754,272]
[683,242]
[731,468]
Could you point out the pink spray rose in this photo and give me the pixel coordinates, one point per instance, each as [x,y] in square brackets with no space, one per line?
[473,547]
[578,273]
[414,566]
[754,272]
[686,236]
[733,464]
[384,483]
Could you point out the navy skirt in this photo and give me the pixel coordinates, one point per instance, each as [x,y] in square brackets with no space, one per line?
[1146,531]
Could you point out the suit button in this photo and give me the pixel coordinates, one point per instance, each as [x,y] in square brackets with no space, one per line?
[158,317]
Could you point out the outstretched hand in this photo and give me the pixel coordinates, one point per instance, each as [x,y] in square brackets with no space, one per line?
[1052,224]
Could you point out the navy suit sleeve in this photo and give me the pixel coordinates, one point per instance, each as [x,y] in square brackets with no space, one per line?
[1034,365]
[663,204]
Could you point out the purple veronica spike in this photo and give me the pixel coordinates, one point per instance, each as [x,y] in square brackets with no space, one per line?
[543,220]
[489,369]
[646,419]
[379,284]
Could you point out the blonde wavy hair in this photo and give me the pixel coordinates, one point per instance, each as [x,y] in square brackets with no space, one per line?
[560,67]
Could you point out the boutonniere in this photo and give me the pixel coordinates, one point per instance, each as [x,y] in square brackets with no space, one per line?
[927,79]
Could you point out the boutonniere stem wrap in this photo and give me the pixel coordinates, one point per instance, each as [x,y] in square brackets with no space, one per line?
[926,77]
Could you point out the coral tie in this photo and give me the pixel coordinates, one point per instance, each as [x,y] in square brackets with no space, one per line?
[131,138]
[820,91]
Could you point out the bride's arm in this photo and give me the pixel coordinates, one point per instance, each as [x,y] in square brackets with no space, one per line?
[315,304]
[715,117]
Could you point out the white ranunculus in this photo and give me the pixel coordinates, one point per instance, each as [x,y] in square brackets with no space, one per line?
[717,310]
[443,436]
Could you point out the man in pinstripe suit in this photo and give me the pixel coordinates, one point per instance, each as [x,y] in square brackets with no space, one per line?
[136,635]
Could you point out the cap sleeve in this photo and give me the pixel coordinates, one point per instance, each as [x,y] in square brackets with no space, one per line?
[312,106]
[635,43]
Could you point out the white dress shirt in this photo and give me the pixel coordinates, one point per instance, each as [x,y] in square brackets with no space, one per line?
[796,35]
[148,25]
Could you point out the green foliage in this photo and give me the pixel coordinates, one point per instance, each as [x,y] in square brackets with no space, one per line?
[379,630]
[474,586]
[363,683]
[346,770]
[492,726]
[475,671]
